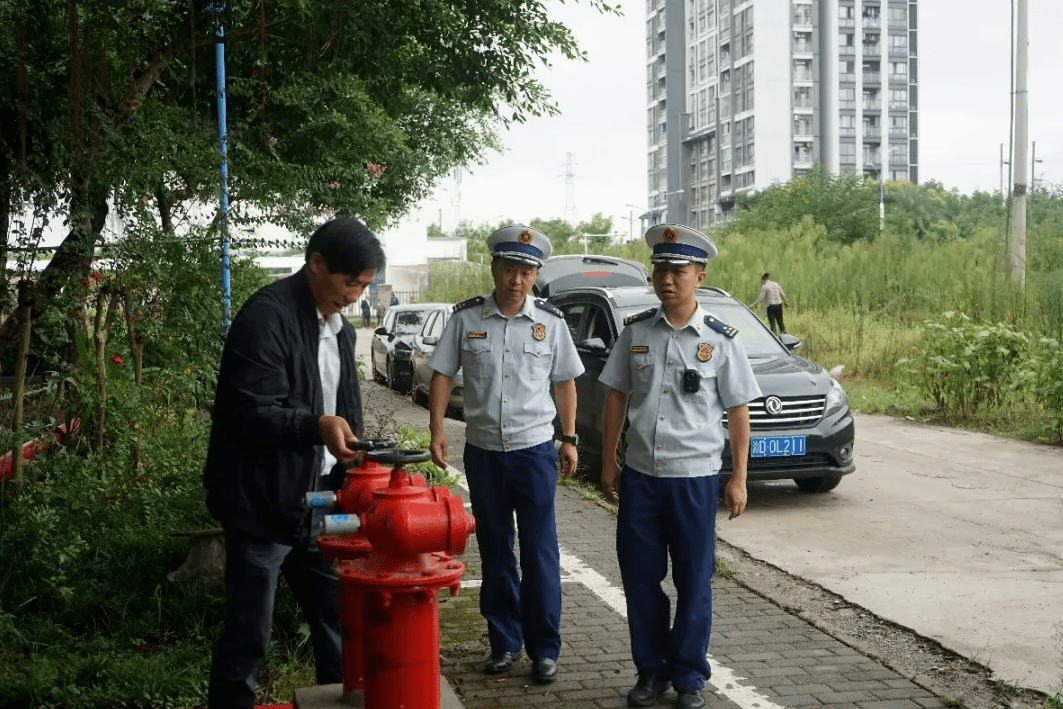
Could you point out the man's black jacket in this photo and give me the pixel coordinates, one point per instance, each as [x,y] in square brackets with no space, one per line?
[265,447]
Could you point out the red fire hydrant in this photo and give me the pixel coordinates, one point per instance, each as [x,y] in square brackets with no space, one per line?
[413,532]
[353,499]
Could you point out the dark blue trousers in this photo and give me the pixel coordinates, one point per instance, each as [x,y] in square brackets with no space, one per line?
[518,610]
[252,568]
[658,518]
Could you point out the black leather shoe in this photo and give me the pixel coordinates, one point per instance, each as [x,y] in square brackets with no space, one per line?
[499,663]
[646,690]
[690,699]
[544,670]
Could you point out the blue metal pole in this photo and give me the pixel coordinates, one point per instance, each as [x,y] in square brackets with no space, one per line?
[223,146]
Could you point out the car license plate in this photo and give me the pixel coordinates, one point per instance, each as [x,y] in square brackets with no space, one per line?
[776,446]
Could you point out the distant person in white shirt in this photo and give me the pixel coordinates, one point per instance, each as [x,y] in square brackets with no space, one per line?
[773,298]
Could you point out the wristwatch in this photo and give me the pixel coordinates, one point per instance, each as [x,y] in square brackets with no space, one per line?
[573,439]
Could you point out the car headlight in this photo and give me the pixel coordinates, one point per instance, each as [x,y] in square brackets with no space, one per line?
[836,398]
[402,350]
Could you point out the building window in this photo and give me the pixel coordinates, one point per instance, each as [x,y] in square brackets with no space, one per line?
[802,14]
[898,44]
[847,125]
[803,69]
[846,43]
[802,97]
[847,152]
[846,70]
[898,71]
[898,16]
[802,41]
[899,99]
[802,124]
[847,98]
[899,126]
[846,16]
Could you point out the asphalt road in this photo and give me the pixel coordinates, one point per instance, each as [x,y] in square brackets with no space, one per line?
[955,535]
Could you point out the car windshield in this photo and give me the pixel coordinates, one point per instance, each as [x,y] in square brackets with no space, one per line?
[757,339]
[408,322]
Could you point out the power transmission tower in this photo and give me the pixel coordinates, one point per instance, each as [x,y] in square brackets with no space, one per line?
[570,188]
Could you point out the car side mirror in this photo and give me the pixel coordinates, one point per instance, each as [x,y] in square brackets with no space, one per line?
[790,342]
[430,340]
[380,331]
[593,345]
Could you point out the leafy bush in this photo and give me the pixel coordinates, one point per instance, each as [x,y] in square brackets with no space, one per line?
[965,367]
[1048,378]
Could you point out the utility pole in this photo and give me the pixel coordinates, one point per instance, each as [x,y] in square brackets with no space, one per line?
[1017,255]
[1033,165]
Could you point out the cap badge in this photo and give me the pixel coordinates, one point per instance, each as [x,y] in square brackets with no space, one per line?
[525,238]
[539,331]
[670,236]
[704,351]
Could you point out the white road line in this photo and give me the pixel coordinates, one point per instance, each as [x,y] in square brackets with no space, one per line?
[724,679]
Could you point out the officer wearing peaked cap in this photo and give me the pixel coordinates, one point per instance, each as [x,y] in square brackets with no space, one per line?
[511,347]
[674,371]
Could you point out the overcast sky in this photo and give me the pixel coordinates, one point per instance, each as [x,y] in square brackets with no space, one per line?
[963,116]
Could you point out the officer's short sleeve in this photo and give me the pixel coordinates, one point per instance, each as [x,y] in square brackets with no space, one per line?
[734,380]
[617,371]
[567,364]
[446,359]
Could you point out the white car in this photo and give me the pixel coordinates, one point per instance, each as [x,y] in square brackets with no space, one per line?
[392,344]
[424,344]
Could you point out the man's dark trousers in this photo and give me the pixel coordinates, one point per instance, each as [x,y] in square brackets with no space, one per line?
[527,607]
[775,318]
[661,518]
[252,569]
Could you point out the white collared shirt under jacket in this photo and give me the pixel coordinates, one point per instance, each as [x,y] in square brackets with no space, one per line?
[673,433]
[508,366]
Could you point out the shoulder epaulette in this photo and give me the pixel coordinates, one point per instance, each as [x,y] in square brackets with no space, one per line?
[721,327]
[548,307]
[635,317]
[471,302]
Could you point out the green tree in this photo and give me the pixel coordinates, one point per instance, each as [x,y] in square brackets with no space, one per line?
[332,106]
[846,205]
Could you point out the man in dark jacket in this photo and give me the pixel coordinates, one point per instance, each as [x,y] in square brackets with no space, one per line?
[288,407]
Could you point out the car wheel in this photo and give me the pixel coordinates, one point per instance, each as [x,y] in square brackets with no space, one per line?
[817,484]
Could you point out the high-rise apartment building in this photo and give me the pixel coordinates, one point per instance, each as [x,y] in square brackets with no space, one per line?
[744,94]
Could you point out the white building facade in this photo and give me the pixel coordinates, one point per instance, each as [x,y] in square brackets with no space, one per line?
[745,94]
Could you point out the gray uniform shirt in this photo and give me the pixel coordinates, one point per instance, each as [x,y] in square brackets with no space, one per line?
[508,365]
[674,433]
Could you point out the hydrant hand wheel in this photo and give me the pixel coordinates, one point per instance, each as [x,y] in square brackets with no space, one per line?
[372,444]
[399,457]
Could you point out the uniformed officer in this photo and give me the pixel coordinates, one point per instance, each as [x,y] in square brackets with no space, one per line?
[674,369]
[511,347]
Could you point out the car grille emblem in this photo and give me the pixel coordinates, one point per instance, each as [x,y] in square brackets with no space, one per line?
[773,405]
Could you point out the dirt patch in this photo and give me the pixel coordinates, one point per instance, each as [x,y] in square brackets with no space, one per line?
[956,680]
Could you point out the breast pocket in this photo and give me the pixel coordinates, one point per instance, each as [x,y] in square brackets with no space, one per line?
[539,360]
[476,358]
[642,372]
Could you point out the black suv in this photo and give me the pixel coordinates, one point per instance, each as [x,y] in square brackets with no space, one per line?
[801,427]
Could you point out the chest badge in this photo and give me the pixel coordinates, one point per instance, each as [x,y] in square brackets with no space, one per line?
[539,331]
[704,351]
[482,335]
